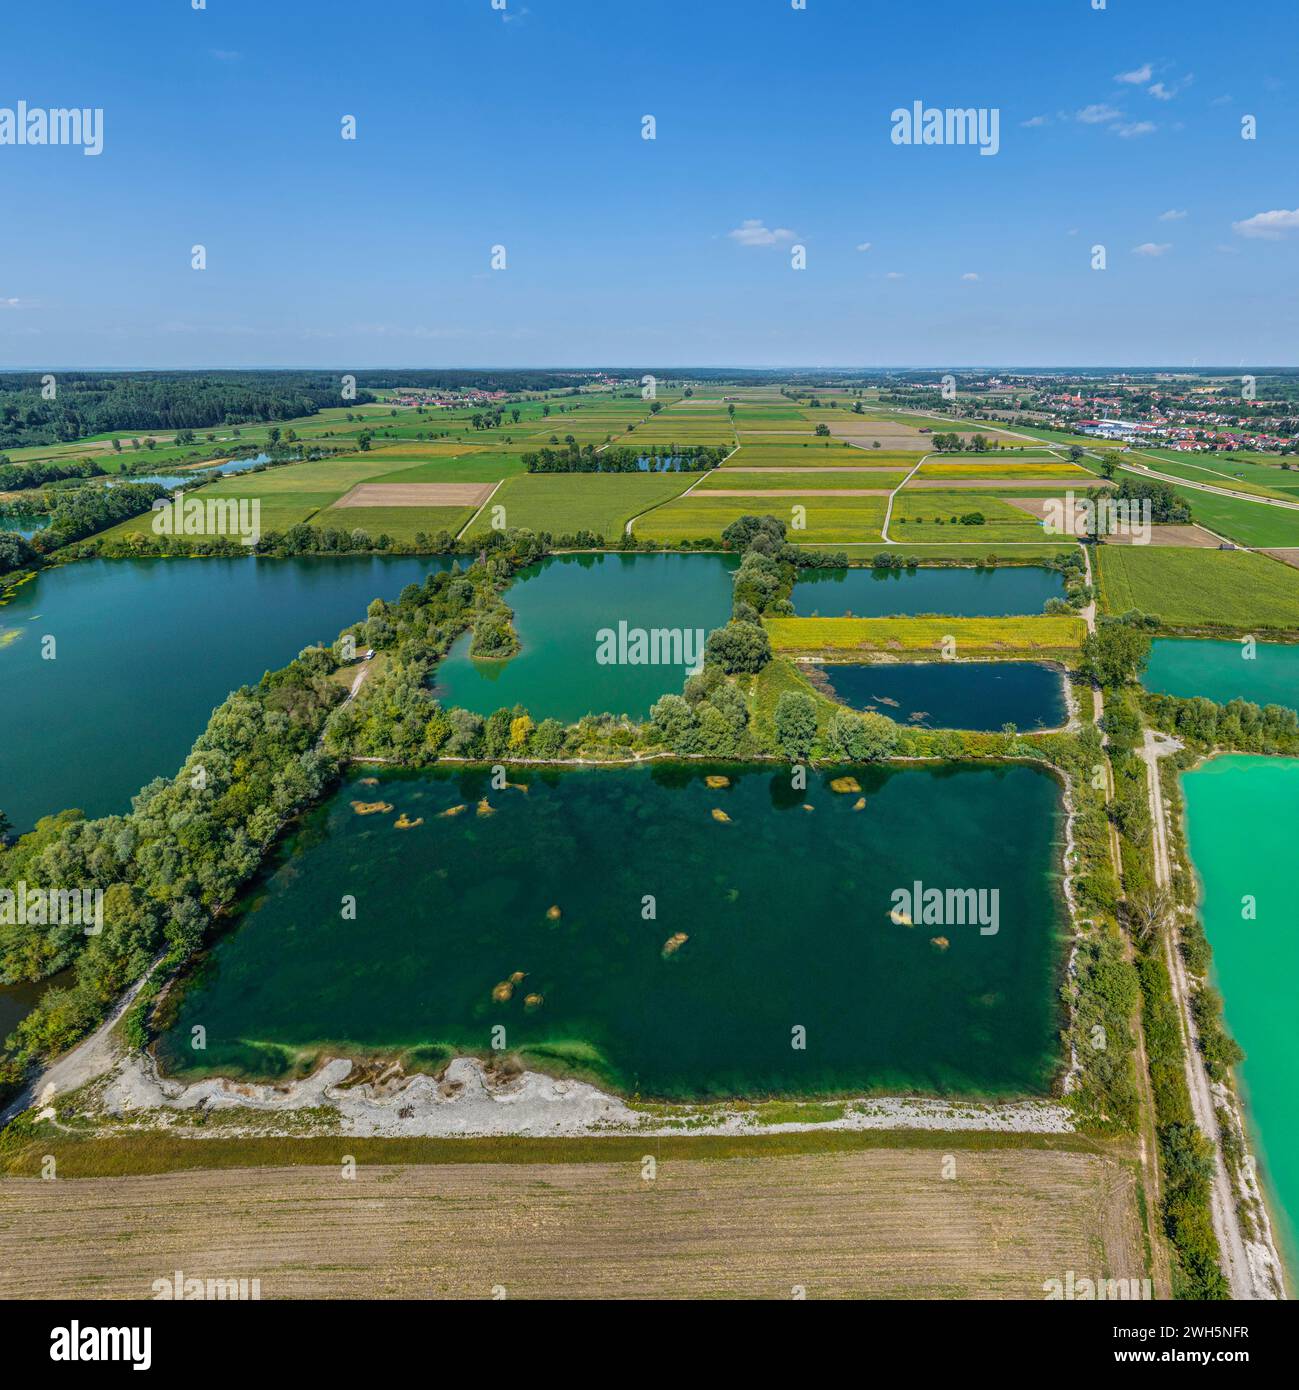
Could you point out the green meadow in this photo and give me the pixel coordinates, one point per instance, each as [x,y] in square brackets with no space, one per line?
[565,503]
[828,518]
[1199,588]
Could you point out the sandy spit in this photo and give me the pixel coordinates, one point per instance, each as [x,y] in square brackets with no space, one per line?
[470,1100]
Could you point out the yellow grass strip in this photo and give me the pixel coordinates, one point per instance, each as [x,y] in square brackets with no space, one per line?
[840,637]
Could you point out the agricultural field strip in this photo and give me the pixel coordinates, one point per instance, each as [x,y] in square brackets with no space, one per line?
[870,1223]
[632,520]
[464,530]
[888,511]
[1033,634]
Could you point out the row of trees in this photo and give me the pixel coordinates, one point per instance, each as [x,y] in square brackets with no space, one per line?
[575,458]
[86,403]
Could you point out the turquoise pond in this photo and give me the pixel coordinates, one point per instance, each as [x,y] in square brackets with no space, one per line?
[1221,670]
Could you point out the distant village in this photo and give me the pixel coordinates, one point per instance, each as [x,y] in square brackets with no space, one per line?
[1193,415]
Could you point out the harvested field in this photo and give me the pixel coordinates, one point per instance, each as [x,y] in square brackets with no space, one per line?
[416,495]
[880,1223]
[1193,536]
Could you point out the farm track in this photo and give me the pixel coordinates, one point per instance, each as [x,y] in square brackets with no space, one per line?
[1226,1220]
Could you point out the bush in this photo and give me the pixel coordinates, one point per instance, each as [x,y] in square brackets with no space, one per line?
[861,738]
[738,646]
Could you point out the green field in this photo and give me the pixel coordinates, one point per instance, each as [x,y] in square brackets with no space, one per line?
[1199,588]
[401,523]
[565,503]
[927,514]
[829,519]
[1247,523]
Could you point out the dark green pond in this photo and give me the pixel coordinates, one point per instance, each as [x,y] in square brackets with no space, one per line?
[960,593]
[1219,671]
[977,695]
[561,607]
[144,651]
[17,1001]
[786,911]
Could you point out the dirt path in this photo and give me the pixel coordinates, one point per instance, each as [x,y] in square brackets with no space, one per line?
[1226,1222]
[90,1058]
[888,511]
[704,473]
[1160,1265]
[460,535]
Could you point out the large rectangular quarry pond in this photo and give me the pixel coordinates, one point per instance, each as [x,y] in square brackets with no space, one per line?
[143,651]
[978,695]
[561,608]
[956,592]
[1240,823]
[651,932]
[1266,673]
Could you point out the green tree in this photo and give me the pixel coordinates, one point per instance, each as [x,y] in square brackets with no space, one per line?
[1115,653]
[795,724]
[861,738]
[738,646]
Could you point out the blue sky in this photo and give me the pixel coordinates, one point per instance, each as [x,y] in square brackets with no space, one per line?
[478,127]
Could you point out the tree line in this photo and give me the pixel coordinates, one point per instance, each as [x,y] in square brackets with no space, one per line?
[575,458]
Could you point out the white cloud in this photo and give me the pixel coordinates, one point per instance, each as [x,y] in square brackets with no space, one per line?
[969,275]
[1135,128]
[895,275]
[1161,92]
[1136,76]
[1098,114]
[225,55]
[1152,248]
[1035,121]
[1268,225]
[15,303]
[863,246]
[754,232]
[1172,215]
